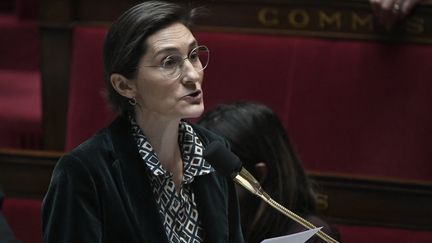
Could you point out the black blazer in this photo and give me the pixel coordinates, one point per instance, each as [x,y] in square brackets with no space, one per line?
[99,192]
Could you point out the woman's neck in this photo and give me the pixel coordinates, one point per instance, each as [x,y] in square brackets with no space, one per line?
[163,136]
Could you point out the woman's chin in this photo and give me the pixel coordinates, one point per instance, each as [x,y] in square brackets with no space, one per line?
[194,111]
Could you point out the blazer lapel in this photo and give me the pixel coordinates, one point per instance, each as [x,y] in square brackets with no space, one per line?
[134,185]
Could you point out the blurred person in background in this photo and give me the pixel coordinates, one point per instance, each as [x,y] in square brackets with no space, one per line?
[258,138]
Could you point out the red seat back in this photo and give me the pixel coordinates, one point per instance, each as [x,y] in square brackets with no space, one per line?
[88,112]
[24,218]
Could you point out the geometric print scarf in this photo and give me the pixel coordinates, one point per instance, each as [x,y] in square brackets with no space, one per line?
[178,210]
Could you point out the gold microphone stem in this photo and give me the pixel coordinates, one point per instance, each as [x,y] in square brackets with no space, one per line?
[246,180]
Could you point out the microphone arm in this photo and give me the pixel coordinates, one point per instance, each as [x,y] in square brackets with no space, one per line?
[228,164]
[246,180]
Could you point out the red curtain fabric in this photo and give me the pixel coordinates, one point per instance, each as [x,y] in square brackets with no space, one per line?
[247,67]
[362,108]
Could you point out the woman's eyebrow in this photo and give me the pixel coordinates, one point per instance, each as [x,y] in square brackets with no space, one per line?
[164,50]
[193,44]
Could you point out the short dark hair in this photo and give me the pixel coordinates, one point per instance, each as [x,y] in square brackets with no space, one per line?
[125,42]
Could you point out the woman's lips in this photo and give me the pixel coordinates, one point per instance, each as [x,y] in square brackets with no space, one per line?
[194,97]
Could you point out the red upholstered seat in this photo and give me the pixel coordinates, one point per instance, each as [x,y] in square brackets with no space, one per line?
[21,109]
[88,111]
[24,218]
[19,44]
[20,84]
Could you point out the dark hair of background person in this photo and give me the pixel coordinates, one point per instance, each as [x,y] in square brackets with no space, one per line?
[123,46]
[257,135]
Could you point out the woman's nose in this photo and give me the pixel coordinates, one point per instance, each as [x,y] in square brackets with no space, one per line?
[189,72]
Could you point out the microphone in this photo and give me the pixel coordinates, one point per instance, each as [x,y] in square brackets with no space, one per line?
[228,164]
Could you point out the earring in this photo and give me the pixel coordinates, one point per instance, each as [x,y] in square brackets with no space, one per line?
[132,101]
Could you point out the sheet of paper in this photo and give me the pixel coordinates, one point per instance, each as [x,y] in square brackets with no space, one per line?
[300,237]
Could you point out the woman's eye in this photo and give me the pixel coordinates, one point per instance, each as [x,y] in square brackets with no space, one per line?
[171,62]
[193,56]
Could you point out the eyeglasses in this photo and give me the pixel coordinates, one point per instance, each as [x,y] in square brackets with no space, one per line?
[172,65]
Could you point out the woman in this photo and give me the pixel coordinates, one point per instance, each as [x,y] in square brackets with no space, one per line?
[258,138]
[143,178]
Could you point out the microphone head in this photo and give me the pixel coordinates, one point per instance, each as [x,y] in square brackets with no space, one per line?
[223,160]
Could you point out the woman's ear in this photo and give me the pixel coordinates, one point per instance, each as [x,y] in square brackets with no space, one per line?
[261,171]
[123,86]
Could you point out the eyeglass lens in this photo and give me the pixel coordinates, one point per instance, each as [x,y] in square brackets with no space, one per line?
[198,57]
